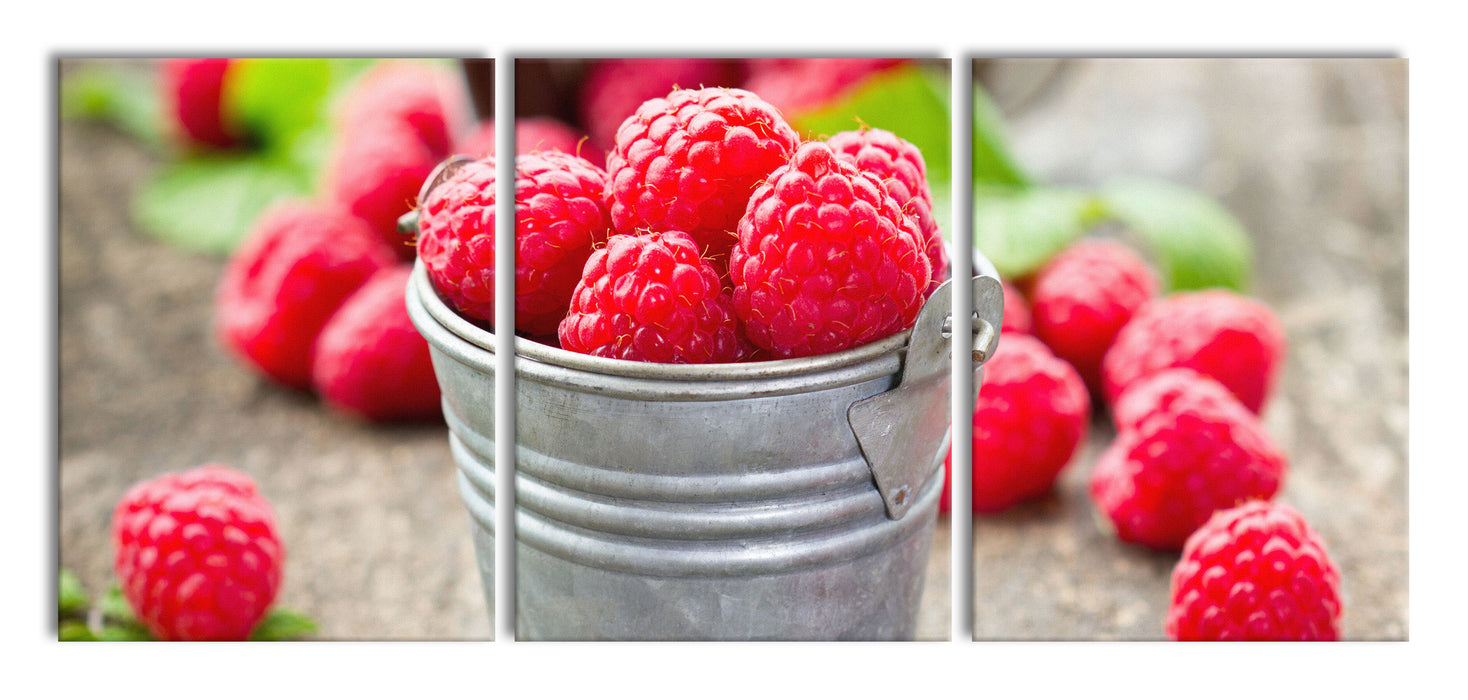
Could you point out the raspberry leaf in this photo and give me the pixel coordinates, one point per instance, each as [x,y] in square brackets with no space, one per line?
[1018,230]
[127,99]
[1195,241]
[283,625]
[123,633]
[275,99]
[908,100]
[208,204]
[75,631]
[71,599]
[993,163]
[115,608]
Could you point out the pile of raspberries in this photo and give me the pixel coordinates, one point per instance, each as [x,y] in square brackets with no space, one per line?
[1191,468]
[714,234]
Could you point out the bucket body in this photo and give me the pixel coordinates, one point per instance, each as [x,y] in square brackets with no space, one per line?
[694,502]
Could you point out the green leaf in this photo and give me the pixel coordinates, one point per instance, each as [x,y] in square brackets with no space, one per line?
[115,608]
[993,163]
[276,99]
[943,212]
[75,631]
[1019,230]
[124,633]
[908,101]
[208,204]
[72,598]
[283,625]
[1194,240]
[127,99]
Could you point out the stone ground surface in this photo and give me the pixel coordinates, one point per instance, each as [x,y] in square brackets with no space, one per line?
[1311,155]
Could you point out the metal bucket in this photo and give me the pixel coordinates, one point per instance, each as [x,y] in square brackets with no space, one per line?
[792,499]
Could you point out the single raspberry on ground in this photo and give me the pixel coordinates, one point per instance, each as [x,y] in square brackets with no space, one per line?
[825,260]
[532,134]
[370,360]
[1082,298]
[1229,337]
[1017,317]
[690,161]
[1256,572]
[652,298]
[289,276]
[900,167]
[1031,414]
[612,89]
[197,554]
[375,172]
[1167,392]
[1178,460]
[560,217]
[430,99]
[799,84]
[193,90]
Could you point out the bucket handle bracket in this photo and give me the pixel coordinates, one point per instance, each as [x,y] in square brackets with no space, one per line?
[901,430]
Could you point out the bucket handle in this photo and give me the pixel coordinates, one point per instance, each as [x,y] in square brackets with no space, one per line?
[901,429]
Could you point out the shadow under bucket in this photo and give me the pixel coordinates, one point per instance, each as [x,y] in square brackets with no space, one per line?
[791,499]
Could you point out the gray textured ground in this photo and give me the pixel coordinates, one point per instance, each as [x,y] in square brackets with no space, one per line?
[1312,157]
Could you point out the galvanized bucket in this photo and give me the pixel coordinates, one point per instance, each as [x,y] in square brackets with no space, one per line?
[792,499]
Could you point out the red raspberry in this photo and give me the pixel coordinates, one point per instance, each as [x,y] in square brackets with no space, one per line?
[652,298]
[197,554]
[531,134]
[900,167]
[690,161]
[800,84]
[375,172]
[825,260]
[288,277]
[1231,338]
[1031,414]
[1179,460]
[370,360]
[1083,297]
[1256,572]
[559,219]
[430,99]
[193,89]
[613,88]
[1168,391]
[1017,317]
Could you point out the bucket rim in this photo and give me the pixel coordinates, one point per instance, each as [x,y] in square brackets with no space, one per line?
[526,349]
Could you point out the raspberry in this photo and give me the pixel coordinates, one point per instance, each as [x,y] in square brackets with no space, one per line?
[1031,414]
[531,134]
[193,89]
[799,84]
[652,298]
[1017,317]
[900,167]
[1083,297]
[291,273]
[1180,459]
[430,99]
[613,88]
[690,161]
[197,554]
[1166,392]
[1231,338]
[375,172]
[825,259]
[370,361]
[1256,572]
[559,219]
